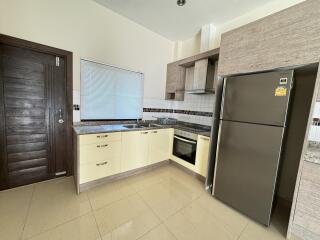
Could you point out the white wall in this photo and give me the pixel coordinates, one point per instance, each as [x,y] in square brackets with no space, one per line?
[90,31]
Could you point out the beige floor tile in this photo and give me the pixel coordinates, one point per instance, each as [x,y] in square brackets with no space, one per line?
[53,203]
[145,180]
[165,199]
[234,220]
[108,193]
[130,214]
[82,228]
[206,224]
[135,227]
[256,231]
[14,206]
[159,233]
[180,227]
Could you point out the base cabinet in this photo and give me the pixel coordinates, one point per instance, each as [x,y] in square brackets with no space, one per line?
[160,144]
[99,156]
[107,154]
[134,150]
[142,148]
[202,155]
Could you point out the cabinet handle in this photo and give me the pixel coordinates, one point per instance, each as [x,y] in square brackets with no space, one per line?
[144,132]
[155,132]
[101,146]
[101,164]
[102,136]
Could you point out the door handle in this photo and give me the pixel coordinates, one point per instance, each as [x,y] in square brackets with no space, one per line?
[60,116]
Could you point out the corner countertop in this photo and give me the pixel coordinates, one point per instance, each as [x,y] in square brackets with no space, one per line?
[313,152]
[107,127]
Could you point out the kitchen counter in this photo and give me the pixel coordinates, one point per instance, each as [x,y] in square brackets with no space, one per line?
[83,128]
[313,152]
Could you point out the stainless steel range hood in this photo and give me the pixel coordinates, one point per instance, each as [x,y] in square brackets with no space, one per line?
[201,77]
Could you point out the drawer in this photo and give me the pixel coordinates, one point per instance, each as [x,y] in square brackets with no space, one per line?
[97,170]
[99,152]
[98,138]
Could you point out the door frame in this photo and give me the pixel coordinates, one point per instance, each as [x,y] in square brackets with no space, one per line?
[68,56]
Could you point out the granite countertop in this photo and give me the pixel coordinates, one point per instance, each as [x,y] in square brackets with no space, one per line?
[104,127]
[313,152]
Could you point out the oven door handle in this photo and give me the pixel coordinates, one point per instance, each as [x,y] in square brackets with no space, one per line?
[185,140]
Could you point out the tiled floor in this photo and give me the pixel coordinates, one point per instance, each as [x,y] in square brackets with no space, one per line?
[163,204]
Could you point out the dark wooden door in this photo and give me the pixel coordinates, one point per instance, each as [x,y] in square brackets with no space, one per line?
[32,101]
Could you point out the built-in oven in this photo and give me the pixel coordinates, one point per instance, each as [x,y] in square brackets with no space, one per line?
[185,145]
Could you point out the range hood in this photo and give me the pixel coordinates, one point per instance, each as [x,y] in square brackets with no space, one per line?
[200,77]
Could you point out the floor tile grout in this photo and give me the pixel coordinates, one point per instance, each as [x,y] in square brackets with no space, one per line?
[58,225]
[242,231]
[94,216]
[28,211]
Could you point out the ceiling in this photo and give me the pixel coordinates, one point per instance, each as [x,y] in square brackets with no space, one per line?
[179,23]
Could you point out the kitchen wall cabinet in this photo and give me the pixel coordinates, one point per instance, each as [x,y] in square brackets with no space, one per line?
[175,82]
[202,155]
[286,38]
[189,79]
[135,146]
[160,145]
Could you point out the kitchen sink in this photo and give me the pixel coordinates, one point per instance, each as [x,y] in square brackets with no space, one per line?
[141,125]
[133,126]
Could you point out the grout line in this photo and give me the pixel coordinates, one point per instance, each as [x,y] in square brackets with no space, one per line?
[28,211]
[94,216]
[243,230]
[58,225]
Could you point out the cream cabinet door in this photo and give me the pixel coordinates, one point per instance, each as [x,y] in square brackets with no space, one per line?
[135,147]
[202,155]
[160,145]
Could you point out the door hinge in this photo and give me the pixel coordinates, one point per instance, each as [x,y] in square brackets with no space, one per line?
[57,61]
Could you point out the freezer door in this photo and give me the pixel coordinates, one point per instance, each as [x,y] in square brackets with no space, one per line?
[257,98]
[247,164]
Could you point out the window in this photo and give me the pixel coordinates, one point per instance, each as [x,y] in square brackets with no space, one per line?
[109,92]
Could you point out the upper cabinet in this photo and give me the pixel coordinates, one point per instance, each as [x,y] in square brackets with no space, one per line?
[287,38]
[194,74]
[175,82]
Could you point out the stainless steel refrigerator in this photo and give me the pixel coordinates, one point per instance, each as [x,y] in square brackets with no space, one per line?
[251,135]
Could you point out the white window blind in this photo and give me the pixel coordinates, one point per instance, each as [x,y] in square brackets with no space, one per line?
[109,92]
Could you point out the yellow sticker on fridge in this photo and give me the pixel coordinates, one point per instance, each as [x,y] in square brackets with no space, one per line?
[280,92]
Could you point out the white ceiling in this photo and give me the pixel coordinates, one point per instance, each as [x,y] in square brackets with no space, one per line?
[179,23]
